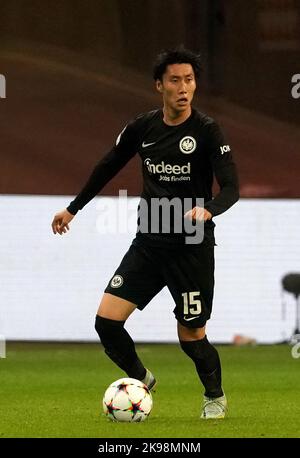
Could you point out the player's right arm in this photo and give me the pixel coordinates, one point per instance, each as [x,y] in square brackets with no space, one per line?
[124,149]
[60,223]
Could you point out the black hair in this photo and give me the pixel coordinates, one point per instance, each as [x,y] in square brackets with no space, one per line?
[179,55]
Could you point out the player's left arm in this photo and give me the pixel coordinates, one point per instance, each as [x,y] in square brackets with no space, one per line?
[199,214]
[224,168]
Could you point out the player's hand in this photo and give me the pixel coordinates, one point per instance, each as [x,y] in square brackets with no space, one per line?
[198,214]
[60,223]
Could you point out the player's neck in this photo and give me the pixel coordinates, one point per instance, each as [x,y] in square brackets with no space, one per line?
[174,118]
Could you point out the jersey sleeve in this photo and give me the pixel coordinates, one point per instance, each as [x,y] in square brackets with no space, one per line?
[124,149]
[224,169]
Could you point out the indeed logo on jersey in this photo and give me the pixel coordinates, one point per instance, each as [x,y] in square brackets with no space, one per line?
[167,168]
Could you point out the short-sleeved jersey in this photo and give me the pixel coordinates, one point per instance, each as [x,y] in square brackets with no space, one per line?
[177,162]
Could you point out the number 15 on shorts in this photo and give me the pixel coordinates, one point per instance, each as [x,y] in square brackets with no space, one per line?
[191,303]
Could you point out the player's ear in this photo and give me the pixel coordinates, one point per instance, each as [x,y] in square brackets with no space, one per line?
[159,86]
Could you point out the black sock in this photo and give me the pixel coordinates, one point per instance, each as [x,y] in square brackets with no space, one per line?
[208,366]
[119,346]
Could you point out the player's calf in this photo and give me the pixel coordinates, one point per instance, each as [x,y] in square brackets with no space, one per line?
[119,346]
[207,362]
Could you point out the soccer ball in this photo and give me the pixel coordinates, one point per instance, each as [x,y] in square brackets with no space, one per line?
[128,400]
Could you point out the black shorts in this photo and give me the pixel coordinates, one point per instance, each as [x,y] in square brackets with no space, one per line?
[187,271]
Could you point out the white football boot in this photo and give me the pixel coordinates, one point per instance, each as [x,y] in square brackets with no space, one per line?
[150,381]
[214,408]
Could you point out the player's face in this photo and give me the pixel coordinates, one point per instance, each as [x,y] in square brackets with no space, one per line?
[177,87]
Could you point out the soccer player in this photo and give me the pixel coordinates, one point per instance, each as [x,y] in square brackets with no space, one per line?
[182,150]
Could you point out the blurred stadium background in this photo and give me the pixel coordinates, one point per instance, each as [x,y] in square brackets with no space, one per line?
[76,72]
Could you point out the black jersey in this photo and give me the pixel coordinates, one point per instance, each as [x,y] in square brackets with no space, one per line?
[177,162]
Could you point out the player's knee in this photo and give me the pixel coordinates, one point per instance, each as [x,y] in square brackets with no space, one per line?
[108,329]
[185,333]
[117,343]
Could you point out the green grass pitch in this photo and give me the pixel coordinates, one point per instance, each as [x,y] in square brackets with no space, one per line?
[55,390]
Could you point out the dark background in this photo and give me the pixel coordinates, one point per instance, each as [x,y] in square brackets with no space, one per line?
[77,71]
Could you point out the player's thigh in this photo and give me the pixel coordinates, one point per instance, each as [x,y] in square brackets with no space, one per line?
[190,334]
[115,308]
[136,280]
[190,280]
